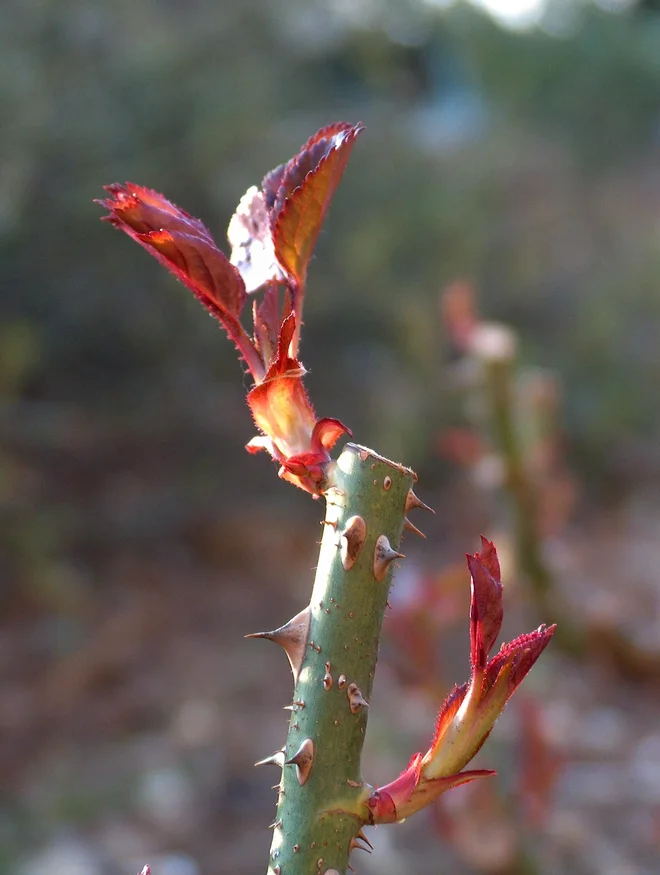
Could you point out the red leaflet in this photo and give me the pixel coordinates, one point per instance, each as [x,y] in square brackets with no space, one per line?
[517,657]
[447,714]
[181,243]
[274,229]
[306,188]
[266,318]
[486,611]
[184,245]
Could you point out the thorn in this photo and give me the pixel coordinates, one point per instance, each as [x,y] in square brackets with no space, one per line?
[276,824]
[341,681]
[352,541]
[364,839]
[412,502]
[355,698]
[276,759]
[327,677]
[383,555]
[296,705]
[356,846]
[303,760]
[408,526]
[292,637]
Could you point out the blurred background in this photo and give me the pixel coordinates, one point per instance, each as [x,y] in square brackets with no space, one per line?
[510,168]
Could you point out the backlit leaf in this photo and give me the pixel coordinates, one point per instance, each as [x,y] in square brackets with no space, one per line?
[308,184]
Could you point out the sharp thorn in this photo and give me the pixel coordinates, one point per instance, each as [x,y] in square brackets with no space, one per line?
[292,637]
[355,698]
[303,760]
[408,526]
[413,502]
[276,759]
[356,846]
[384,554]
[364,839]
[352,541]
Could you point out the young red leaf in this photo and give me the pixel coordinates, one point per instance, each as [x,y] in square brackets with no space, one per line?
[271,184]
[486,610]
[515,659]
[185,247]
[180,242]
[266,319]
[446,717]
[306,188]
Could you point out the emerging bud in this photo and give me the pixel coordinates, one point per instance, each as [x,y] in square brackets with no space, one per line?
[272,235]
[283,412]
[470,711]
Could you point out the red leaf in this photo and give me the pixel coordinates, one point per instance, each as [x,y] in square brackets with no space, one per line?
[185,247]
[447,713]
[266,319]
[251,241]
[486,609]
[518,657]
[308,183]
[488,557]
[181,243]
[271,184]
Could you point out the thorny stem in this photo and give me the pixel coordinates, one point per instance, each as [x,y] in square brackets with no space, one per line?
[320,809]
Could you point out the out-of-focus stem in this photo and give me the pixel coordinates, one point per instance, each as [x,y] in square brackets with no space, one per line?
[524,500]
[500,390]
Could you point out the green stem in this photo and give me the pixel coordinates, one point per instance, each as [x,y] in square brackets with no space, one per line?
[334,661]
[525,505]
[517,483]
